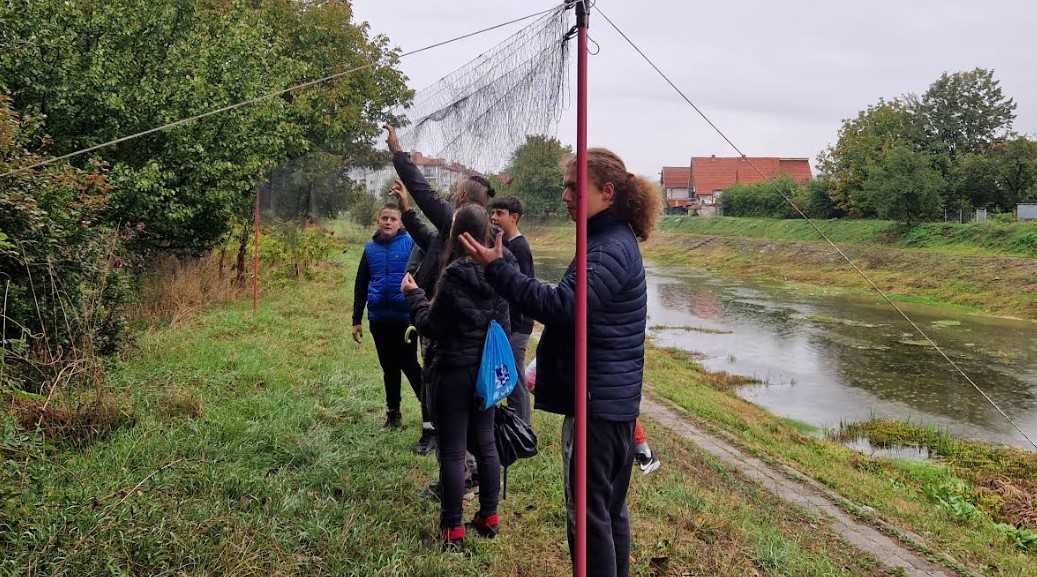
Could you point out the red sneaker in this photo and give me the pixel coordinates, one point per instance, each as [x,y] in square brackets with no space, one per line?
[453,539]
[486,525]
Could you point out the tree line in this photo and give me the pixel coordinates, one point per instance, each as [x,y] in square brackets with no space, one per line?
[77,74]
[916,156]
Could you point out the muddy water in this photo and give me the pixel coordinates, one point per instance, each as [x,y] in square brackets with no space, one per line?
[831,358]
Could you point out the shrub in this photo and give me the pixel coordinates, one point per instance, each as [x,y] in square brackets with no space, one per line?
[62,274]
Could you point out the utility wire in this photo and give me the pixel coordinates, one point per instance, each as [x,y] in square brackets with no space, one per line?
[818,230]
[262,98]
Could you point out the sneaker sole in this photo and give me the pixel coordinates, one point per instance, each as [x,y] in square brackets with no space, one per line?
[650,467]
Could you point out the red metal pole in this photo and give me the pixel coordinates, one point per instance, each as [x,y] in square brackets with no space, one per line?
[581,292]
[255,258]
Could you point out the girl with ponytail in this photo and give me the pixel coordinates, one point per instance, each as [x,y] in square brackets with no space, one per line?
[622,208]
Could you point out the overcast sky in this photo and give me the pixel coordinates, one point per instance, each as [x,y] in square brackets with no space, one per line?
[776,77]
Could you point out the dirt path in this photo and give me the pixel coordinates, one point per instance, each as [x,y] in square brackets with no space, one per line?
[805,493]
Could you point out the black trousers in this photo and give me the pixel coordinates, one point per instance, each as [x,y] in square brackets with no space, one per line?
[462,425]
[397,356]
[610,457]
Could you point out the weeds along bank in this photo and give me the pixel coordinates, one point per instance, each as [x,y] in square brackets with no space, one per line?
[987,267]
[971,501]
[255,449]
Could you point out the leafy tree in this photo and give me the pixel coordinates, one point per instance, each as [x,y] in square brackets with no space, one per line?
[60,266]
[973,184]
[904,186]
[97,74]
[536,173]
[819,199]
[864,142]
[998,179]
[964,113]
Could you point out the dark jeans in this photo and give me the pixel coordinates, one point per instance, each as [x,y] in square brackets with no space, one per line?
[610,452]
[462,426]
[395,356]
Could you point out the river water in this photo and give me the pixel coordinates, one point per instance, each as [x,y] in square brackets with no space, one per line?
[831,358]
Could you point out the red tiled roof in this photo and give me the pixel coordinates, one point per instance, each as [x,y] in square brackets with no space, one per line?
[420,159]
[711,173]
[676,176]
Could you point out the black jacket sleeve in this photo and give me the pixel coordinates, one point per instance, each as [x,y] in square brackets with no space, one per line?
[430,320]
[417,229]
[437,210]
[363,278]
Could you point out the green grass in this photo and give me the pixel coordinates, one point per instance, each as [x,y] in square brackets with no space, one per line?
[992,238]
[901,493]
[256,450]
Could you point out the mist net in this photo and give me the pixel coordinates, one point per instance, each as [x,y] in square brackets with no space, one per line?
[482,111]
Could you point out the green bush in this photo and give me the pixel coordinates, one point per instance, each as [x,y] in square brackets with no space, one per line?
[291,251]
[762,199]
[63,273]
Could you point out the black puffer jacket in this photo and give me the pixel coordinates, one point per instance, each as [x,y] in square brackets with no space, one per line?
[459,315]
[617,312]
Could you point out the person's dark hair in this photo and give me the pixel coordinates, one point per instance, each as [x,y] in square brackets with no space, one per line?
[511,204]
[390,206]
[469,218]
[478,189]
[637,201]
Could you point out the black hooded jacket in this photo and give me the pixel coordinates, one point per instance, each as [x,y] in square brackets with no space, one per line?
[458,317]
[440,215]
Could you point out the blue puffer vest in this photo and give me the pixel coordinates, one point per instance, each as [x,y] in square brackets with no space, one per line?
[387,260]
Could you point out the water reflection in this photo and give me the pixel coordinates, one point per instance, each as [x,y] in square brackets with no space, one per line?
[836,358]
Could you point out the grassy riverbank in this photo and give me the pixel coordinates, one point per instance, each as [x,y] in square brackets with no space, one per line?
[254,449]
[987,268]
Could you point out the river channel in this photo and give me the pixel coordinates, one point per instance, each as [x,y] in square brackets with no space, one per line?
[831,358]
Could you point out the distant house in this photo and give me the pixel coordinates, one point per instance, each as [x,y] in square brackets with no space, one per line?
[675,183]
[699,185]
[711,175]
[439,173]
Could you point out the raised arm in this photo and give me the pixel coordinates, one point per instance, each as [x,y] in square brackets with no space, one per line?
[420,232]
[437,210]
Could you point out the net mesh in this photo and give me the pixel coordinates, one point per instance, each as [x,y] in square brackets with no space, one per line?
[471,120]
[479,113]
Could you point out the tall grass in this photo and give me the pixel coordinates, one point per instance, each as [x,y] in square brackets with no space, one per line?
[257,451]
[174,288]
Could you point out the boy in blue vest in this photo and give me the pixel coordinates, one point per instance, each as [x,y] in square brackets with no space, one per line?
[378,286]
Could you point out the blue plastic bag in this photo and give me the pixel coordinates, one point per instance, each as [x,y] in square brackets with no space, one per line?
[497,371]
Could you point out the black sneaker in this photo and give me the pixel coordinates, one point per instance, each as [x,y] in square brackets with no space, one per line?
[428,443]
[393,420]
[648,462]
[453,539]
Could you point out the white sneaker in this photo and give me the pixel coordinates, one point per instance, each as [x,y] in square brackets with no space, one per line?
[647,462]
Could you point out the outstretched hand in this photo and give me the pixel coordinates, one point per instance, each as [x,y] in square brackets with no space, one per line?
[479,253]
[399,192]
[392,141]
